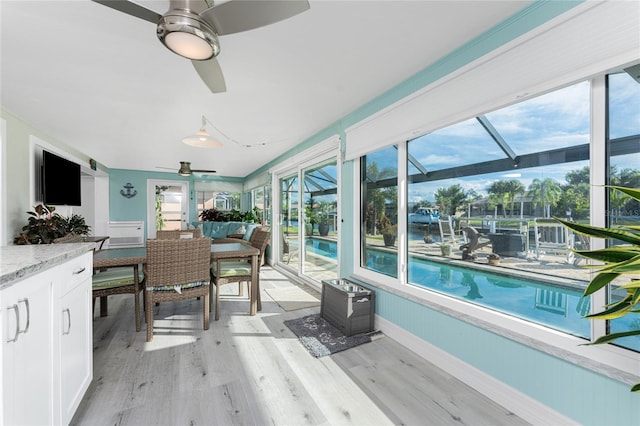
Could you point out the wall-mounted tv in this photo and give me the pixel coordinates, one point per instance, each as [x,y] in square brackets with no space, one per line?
[60,181]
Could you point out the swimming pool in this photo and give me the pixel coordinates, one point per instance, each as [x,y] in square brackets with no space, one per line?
[555,306]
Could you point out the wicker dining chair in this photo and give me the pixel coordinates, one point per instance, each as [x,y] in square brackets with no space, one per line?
[239,271]
[118,280]
[177,269]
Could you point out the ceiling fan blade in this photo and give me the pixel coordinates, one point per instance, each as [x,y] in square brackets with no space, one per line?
[242,15]
[132,9]
[203,171]
[211,73]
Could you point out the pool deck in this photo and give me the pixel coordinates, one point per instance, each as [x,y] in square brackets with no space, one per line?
[550,267]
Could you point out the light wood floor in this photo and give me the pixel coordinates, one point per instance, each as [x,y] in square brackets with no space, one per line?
[252,371]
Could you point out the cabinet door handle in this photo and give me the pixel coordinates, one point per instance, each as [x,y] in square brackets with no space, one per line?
[26,304]
[17,333]
[68,311]
[81,270]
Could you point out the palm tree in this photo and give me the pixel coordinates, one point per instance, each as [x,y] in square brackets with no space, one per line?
[503,191]
[449,199]
[546,192]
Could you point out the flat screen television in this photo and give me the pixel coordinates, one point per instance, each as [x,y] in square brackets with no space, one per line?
[60,181]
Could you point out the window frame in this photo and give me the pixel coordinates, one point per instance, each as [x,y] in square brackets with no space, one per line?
[608,358]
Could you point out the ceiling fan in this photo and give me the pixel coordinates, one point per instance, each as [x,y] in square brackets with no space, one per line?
[190,28]
[186,170]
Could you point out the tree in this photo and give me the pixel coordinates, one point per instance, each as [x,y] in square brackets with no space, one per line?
[449,199]
[545,192]
[504,191]
[377,197]
[575,196]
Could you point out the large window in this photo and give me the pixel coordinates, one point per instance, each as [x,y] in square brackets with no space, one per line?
[504,177]
[380,211]
[481,201]
[624,170]
[219,200]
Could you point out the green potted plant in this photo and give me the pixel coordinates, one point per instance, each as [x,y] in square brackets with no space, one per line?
[389,235]
[445,249]
[44,226]
[493,259]
[618,261]
[388,230]
[323,218]
[311,218]
[428,239]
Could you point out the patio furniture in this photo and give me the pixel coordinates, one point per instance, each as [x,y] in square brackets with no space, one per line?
[510,244]
[177,269]
[551,237]
[449,234]
[473,240]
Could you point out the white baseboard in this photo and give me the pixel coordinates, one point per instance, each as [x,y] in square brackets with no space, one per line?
[513,400]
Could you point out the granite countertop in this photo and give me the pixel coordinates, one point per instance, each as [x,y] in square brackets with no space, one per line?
[17,262]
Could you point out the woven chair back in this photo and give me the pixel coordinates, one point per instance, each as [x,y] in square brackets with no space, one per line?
[177,261]
[176,234]
[260,239]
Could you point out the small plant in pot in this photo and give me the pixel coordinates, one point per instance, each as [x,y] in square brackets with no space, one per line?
[493,259]
[323,218]
[388,230]
[44,226]
[389,235]
[445,249]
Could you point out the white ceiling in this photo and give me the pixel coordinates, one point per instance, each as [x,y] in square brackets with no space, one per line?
[100,81]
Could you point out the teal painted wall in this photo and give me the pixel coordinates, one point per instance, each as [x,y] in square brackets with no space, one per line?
[585,396]
[135,208]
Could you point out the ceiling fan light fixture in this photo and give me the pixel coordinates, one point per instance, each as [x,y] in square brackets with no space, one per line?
[185,168]
[185,34]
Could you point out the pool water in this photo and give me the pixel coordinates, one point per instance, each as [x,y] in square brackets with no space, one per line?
[560,308]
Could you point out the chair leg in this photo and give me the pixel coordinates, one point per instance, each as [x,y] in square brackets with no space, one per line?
[104,307]
[205,311]
[217,313]
[149,315]
[211,285]
[240,289]
[258,299]
[136,299]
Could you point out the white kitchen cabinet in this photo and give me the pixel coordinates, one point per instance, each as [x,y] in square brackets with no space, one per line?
[47,361]
[73,356]
[27,375]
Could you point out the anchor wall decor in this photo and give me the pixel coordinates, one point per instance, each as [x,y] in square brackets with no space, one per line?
[131,192]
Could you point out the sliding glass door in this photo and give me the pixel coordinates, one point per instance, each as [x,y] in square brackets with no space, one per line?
[320,237]
[308,225]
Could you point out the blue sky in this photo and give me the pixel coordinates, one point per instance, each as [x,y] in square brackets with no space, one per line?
[555,120]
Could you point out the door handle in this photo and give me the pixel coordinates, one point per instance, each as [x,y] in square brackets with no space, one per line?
[17,332]
[68,311]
